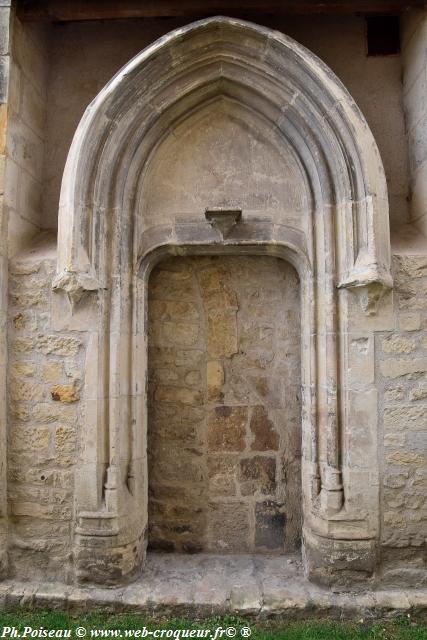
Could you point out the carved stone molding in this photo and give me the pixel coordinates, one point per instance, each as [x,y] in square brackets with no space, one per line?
[75,285]
[223,219]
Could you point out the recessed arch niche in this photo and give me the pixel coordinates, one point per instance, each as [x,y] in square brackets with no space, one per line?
[314,195]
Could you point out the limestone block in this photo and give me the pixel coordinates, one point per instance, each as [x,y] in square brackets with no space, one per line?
[171,468]
[412,295]
[270,522]
[418,143]
[394,394]
[414,54]
[52,371]
[22,345]
[51,412]
[418,393]
[409,321]
[265,436]
[396,480]
[57,345]
[362,407]
[405,418]
[192,378]
[361,361]
[174,333]
[25,391]
[29,438]
[419,193]
[221,473]
[228,526]
[408,266]
[167,285]
[414,100]
[394,520]
[25,321]
[394,439]
[33,109]
[43,511]
[65,393]
[405,457]
[227,428]
[25,369]
[257,475]
[399,367]
[215,379]
[222,335]
[397,344]
[164,376]
[73,370]
[65,439]
[161,310]
[180,395]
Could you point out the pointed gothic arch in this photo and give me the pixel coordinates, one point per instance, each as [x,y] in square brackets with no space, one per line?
[330,219]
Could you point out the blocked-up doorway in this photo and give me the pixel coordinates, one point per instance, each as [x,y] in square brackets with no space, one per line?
[224,428]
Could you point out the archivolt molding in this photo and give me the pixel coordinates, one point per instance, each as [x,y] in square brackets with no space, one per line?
[341,241]
[273,75]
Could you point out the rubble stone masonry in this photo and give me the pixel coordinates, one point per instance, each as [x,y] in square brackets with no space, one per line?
[224,405]
[402,384]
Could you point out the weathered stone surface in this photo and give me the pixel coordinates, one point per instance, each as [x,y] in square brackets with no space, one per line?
[227,428]
[214,379]
[257,476]
[399,417]
[52,371]
[265,436]
[228,526]
[409,321]
[397,368]
[65,393]
[180,395]
[222,475]
[29,438]
[270,521]
[405,458]
[222,335]
[398,344]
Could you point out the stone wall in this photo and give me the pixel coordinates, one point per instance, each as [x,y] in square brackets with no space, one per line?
[402,385]
[414,48]
[224,405]
[4,90]
[44,384]
[26,132]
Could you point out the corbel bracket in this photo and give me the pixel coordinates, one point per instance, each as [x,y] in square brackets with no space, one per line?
[370,283]
[223,220]
[75,285]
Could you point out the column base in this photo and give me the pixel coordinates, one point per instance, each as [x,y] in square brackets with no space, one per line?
[340,564]
[105,554]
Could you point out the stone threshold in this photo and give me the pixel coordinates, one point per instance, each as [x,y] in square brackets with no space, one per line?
[204,584]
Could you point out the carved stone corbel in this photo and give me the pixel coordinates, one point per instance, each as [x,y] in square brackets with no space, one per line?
[223,220]
[370,284]
[75,285]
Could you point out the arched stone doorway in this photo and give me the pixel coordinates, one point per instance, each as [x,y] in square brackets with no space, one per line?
[272,136]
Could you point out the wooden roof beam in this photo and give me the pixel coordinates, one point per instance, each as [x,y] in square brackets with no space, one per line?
[74,10]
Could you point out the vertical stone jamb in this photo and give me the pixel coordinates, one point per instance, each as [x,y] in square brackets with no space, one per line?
[414,56]
[5,14]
